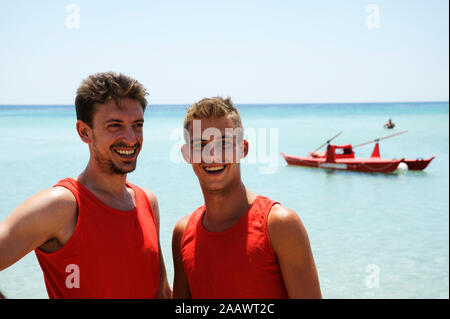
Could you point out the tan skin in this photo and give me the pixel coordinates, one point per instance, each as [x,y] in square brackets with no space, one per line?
[287,234]
[389,124]
[48,219]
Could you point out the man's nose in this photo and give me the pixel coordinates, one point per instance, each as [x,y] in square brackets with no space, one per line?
[215,153]
[129,136]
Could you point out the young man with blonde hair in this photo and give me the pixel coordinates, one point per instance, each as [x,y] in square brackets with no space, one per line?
[237,245]
[96,235]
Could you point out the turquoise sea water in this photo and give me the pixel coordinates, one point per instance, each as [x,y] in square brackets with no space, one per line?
[373,236]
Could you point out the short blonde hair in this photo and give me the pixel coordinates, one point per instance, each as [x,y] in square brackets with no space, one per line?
[215,107]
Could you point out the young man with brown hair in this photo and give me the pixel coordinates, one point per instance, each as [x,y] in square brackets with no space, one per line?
[237,245]
[96,235]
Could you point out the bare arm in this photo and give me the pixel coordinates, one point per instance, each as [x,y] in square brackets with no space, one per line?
[180,282]
[39,219]
[291,245]
[164,291]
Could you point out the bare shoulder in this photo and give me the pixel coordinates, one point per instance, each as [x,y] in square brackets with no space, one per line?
[59,195]
[152,199]
[285,227]
[154,203]
[280,215]
[62,200]
[178,231]
[151,196]
[180,226]
[38,219]
[51,201]
[52,208]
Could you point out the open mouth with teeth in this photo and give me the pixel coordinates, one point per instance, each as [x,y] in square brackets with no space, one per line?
[214,170]
[125,153]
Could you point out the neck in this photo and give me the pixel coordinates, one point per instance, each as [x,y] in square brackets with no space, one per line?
[224,208]
[98,181]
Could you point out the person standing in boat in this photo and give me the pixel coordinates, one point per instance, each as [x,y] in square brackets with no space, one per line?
[238,244]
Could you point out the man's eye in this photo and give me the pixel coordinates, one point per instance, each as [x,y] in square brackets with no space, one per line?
[114,125]
[226,143]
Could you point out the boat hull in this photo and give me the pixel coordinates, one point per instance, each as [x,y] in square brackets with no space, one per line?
[373,165]
[418,164]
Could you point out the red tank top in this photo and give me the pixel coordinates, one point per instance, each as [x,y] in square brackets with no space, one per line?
[111,254]
[238,263]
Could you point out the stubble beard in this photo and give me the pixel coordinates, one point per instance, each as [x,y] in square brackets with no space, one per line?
[107,166]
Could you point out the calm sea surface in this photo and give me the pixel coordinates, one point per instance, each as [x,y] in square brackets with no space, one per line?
[373,236]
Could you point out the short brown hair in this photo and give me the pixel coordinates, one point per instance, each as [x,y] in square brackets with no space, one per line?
[105,86]
[215,107]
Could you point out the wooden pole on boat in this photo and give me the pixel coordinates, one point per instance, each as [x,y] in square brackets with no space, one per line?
[379,139]
[327,142]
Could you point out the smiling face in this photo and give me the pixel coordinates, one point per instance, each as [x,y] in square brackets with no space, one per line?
[214,150]
[115,138]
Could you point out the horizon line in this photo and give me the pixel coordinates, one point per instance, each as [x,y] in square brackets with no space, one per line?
[249,103]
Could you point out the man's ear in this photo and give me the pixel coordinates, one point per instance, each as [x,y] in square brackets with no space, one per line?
[185,152]
[244,149]
[84,131]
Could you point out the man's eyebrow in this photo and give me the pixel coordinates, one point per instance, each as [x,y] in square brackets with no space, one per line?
[113,120]
[203,140]
[197,140]
[228,136]
[119,120]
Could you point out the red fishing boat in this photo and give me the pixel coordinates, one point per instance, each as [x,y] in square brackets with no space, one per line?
[342,157]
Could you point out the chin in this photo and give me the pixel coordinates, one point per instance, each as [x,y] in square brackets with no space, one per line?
[214,187]
[128,170]
[121,170]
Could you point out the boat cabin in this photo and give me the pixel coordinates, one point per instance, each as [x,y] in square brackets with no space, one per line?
[338,152]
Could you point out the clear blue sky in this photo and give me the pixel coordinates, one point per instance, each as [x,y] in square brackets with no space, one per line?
[256,51]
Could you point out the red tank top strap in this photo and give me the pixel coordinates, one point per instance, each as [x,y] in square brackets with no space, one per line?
[260,211]
[73,186]
[258,216]
[141,196]
[191,226]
